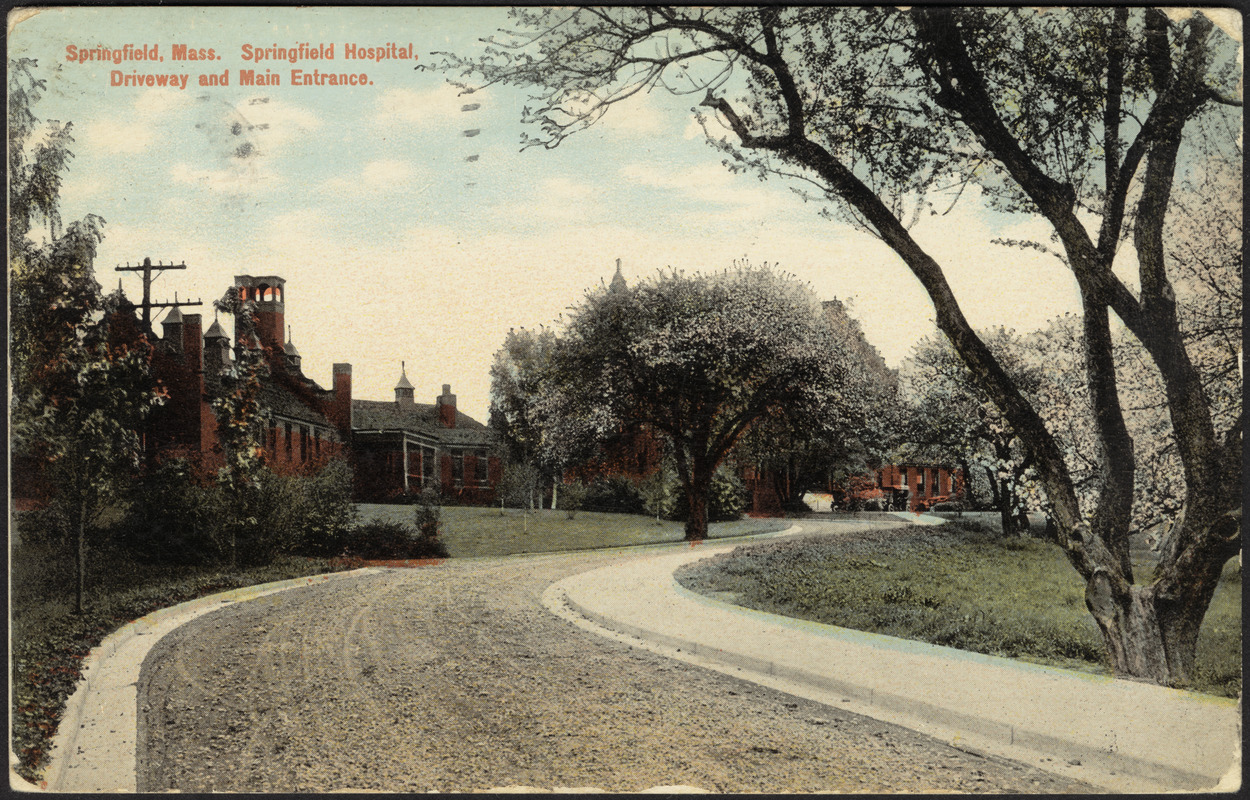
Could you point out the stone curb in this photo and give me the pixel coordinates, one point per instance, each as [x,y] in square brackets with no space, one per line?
[107,683]
[954,724]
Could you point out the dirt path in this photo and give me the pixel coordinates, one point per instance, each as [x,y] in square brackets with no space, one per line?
[454,677]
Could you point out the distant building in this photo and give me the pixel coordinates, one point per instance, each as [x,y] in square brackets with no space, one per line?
[401,446]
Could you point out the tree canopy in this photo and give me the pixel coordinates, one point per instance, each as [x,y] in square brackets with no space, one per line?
[698,360]
[1079,117]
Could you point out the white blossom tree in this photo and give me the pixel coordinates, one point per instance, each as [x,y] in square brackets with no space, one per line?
[698,360]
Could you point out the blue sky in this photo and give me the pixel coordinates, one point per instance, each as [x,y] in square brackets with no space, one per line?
[395,247]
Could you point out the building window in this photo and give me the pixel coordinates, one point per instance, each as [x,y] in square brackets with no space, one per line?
[287,431]
[481,472]
[316,442]
[429,457]
[303,443]
[457,469]
[933,484]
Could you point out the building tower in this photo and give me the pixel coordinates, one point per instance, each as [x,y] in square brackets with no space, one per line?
[268,292]
[618,280]
[403,389]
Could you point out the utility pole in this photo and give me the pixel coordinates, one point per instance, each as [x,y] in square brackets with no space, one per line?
[147,305]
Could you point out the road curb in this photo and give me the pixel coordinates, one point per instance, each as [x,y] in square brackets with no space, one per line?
[98,754]
[1101,759]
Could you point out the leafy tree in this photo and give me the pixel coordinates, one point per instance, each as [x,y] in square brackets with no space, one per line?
[80,377]
[241,422]
[698,360]
[951,419]
[1065,115]
[799,455]
[516,378]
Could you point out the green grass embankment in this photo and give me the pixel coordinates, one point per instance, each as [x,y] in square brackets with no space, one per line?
[477,531]
[959,586]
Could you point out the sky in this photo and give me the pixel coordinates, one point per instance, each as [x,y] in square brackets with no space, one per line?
[397,248]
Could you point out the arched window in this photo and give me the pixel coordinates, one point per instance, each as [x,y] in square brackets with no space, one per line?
[264,292]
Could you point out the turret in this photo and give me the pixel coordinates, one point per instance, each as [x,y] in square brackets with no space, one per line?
[291,355]
[216,351]
[403,389]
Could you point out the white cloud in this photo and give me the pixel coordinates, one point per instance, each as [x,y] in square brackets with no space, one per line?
[426,108]
[243,177]
[116,136]
[382,175]
[710,182]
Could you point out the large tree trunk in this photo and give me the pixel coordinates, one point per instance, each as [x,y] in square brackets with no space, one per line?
[696,523]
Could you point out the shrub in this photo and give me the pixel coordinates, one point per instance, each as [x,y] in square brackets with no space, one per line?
[429,525]
[572,496]
[615,494]
[391,540]
[175,520]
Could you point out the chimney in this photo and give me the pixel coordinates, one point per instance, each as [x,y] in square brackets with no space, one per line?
[446,403]
[193,341]
[341,404]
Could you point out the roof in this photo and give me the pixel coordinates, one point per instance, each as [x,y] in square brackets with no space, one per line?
[418,418]
[280,400]
[215,331]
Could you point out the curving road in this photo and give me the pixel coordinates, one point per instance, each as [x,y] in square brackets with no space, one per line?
[455,678]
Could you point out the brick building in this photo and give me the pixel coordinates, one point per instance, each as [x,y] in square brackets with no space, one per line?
[401,446]
[307,424]
[394,447]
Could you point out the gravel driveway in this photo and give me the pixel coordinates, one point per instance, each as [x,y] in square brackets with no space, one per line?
[455,678]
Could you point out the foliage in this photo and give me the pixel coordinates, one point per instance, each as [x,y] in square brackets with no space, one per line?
[391,540]
[799,454]
[572,497]
[699,360]
[1080,118]
[81,381]
[428,519]
[516,377]
[953,420]
[518,484]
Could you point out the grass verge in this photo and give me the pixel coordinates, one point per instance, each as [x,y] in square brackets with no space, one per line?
[49,641]
[477,531]
[959,586]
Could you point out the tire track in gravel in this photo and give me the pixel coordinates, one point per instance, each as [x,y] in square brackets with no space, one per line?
[455,678]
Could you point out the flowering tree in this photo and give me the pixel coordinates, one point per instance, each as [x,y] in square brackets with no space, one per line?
[799,453]
[1077,117]
[699,360]
[951,419]
[515,384]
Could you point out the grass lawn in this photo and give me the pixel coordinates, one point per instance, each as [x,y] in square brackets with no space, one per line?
[477,531]
[959,586]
